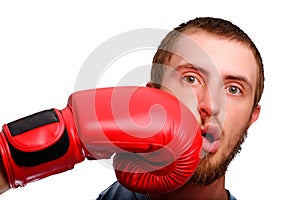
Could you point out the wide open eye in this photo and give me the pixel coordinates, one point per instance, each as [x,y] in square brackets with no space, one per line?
[192,80]
[234,90]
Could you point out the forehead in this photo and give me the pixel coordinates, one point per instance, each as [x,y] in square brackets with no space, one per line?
[216,55]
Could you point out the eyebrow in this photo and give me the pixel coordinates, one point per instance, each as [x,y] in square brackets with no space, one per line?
[240,79]
[198,68]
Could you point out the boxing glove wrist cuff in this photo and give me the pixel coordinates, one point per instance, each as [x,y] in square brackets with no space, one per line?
[30,145]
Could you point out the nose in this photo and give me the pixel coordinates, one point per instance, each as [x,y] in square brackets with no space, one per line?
[209,103]
[204,106]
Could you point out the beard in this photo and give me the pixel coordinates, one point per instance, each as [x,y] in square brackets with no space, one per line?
[208,172]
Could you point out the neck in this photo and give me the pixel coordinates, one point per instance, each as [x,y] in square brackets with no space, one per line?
[214,191]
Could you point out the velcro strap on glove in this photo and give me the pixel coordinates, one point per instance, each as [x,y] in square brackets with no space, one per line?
[37,138]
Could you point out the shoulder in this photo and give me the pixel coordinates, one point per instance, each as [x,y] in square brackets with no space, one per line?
[117,192]
[230,196]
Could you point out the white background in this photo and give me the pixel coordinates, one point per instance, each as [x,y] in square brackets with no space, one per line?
[44,44]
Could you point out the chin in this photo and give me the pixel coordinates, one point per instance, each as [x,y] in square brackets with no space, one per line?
[214,165]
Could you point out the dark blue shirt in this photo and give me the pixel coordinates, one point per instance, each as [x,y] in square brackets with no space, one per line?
[117,192]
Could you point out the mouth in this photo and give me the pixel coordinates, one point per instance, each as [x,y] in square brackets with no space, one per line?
[211,139]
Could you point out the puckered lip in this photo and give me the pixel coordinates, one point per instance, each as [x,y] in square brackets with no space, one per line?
[211,138]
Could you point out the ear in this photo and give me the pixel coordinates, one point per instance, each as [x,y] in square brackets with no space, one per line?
[255,114]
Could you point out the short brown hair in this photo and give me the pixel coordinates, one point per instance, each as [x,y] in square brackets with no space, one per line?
[215,26]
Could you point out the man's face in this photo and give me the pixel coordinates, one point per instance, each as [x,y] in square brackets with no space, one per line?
[216,79]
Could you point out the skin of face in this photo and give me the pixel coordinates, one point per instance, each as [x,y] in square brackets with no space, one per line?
[216,79]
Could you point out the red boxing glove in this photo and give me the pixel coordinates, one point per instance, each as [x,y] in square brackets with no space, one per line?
[156,139]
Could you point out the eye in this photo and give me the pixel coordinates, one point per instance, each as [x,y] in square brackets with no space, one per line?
[234,90]
[190,79]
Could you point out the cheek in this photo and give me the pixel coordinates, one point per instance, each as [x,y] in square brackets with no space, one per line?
[188,98]
[183,93]
[237,117]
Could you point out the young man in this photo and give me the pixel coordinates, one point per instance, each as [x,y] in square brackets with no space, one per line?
[225,71]
[213,68]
